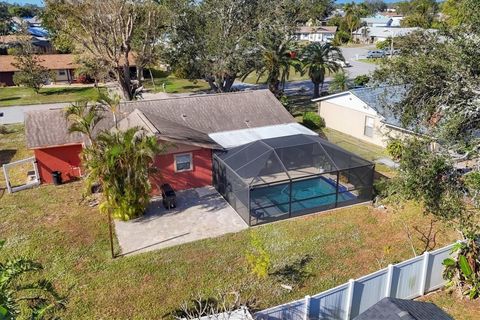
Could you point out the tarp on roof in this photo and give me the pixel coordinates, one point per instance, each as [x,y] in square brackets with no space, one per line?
[235,138]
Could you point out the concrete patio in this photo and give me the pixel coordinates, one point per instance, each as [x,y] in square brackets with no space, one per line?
[201,213]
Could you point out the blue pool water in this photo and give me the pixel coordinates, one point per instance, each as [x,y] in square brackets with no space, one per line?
[306,194]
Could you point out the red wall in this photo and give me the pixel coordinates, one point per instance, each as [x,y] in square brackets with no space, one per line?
[65,159]
[200,176]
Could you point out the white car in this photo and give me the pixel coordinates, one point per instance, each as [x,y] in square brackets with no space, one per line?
[343,64]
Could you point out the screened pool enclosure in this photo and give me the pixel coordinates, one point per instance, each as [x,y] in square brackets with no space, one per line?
[278,178]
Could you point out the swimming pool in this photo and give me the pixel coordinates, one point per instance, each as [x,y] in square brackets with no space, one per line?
[307,195]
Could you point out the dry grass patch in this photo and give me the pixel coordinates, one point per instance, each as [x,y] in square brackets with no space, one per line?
[459,308]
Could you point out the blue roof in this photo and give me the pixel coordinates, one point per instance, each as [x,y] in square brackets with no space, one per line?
[384,100]
[38,31]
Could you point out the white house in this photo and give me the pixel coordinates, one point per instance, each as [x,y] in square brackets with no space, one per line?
[375,34]
[316,34]
[365,113]
[377,21]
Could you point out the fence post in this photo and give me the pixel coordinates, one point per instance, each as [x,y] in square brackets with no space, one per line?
[7,180]
[423,284]
[388,285]
[348,307]
[306,311]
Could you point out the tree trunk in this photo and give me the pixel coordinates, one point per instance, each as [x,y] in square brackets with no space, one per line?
[153,81]
[316,90]
[211,83]
[140,74]
[123,79]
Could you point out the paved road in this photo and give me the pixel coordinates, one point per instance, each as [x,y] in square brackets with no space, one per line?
[14,114]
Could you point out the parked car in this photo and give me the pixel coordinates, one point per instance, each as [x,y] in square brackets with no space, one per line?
[169,198]
[375,54]
[389,52]
[343,64]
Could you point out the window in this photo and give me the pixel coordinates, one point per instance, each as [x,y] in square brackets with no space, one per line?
[61,72]
[183,162]
[368,131]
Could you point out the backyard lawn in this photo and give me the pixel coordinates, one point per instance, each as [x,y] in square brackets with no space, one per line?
[311,253]
[12,96]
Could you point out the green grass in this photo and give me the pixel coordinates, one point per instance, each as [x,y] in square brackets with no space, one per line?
[294,76]
[372,60]
[51,225]
[175,85]
[12,96]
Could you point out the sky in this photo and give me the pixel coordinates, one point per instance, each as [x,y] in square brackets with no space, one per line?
[37,2]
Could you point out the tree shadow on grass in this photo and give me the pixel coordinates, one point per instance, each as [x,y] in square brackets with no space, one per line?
[295,272]
[10,99]
[55,91]
[6,156]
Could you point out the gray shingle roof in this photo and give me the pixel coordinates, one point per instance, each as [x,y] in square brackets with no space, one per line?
[187,119]
[399,309]
[383,100]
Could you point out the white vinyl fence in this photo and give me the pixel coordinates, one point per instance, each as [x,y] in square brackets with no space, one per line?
[406,280]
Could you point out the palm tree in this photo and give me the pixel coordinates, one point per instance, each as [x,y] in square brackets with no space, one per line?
[110,102]
[277,58]
[16,296]
[317,59]
[83,118]
[121,161]
[339,82]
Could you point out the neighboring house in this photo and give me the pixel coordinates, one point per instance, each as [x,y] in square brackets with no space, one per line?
[375,34]
[316,33]
[400,309]
[41,44]
[396,18]
[365,113]
[246,144]
[377,20]
[62,65]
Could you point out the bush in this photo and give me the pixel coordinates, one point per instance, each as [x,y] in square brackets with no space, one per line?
[361,80]
[313,121]
[384,45]
[395,149]
[341,37]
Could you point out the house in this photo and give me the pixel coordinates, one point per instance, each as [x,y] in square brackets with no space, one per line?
[245,144]
[400,309]
[316,33]
[375,34]
[365,113]
[377,20]
[41,44]
[62,65]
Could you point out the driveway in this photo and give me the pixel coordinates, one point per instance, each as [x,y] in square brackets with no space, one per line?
[201,213]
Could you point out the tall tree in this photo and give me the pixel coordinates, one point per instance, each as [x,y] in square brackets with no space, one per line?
[32,73]
[5,19]
[213,39]
[418,13]
[318,59]
[150,35]
[106,36]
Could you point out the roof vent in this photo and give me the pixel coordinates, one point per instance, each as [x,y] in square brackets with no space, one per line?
[247,122]
[184,116]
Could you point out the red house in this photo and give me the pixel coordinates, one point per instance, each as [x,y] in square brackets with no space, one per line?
[187,127]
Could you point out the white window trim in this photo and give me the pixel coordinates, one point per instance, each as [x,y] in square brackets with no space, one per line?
[372,127]
[183,154]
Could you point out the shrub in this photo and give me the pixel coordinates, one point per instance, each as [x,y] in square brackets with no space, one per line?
[313,121]
[361,80]
[341,37]
[395,148]
[384,45]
